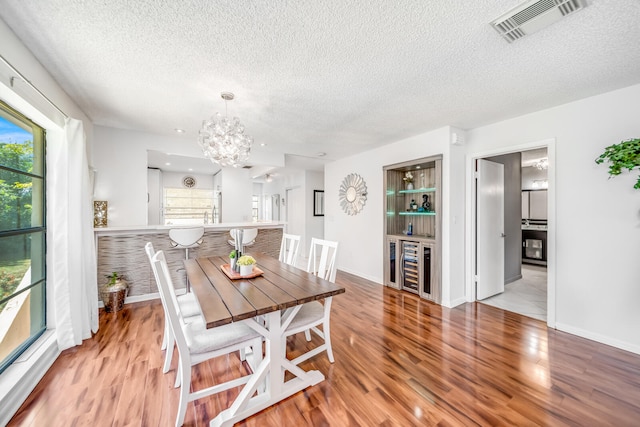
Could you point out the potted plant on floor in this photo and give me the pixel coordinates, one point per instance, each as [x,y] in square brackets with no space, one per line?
[114,292]
[246,263]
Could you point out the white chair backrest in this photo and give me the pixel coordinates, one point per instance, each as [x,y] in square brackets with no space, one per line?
[148,248]
[322,259]
[170,293]
[248,234]
[165,286]
[186,236]
[289,249]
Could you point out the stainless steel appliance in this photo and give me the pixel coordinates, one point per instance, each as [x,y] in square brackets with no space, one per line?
[534,242]
[409,270]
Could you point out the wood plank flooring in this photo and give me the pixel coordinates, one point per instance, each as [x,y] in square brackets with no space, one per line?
[400,361]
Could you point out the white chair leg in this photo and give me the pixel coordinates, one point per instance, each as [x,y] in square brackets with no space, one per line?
[307,335]
[164,335]
[168,353]
[178,375]
[185,373]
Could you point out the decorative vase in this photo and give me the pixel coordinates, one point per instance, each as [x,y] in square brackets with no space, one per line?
[113,296]
[410,186]
[232,263]
[246,270]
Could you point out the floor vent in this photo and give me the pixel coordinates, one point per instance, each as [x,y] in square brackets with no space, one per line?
[533,16]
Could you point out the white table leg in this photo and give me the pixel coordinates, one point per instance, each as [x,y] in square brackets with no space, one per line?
[270,370]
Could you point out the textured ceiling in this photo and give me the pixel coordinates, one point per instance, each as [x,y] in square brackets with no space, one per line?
[321,76]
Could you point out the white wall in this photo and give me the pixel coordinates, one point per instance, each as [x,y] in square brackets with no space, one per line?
[237,189]
[314,225]
[30,102]
[120,157]
[23,375]
[365,230]
[174,180]
[597,219]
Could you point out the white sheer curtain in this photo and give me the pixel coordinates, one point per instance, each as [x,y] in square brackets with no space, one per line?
[70,243]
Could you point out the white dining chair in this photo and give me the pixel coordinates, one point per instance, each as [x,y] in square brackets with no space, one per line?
[322,263]
[197,344]
[289,248]
[188,306]
[248,237]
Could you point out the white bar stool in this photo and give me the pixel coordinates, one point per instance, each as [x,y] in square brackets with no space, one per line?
[248,237]
[186,238]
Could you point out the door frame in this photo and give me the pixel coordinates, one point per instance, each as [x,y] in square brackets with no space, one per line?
[470,235]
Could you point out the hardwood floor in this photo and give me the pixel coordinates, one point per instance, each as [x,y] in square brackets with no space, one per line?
[400,361]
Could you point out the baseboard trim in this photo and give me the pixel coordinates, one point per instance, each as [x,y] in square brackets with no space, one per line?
[455,302]
[140,298]
[19,380]
[374,279]
[513,279]
[623,345]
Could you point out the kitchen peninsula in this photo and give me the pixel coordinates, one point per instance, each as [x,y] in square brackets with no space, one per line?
[121,249]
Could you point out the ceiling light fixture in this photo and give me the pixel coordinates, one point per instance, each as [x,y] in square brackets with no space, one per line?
[268,178]
[223,140]
[179,130]
[542,164]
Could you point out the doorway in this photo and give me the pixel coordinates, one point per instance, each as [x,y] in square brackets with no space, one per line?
[294,209]
[528,286]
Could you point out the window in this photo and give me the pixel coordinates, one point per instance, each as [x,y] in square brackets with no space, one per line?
[187,206]
[255,201]
[22,234]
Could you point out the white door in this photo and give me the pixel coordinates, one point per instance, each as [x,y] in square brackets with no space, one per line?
[490,229]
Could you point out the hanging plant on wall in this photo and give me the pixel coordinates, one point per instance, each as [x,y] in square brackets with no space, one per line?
[625,155]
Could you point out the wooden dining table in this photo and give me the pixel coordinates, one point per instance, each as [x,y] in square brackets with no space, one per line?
[267,304]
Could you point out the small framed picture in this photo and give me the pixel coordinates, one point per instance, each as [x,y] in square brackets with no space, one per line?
[318,202]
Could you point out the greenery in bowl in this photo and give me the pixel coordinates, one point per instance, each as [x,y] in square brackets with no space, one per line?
[625,155]
[246,260]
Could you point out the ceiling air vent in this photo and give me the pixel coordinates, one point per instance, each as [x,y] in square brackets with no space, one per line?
[533,16]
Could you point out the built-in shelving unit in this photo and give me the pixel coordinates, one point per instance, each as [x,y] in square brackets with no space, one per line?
[412,226]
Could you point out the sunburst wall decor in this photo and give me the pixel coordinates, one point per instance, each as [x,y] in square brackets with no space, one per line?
[353,194]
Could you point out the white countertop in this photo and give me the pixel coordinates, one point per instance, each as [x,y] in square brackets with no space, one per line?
[146,229]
